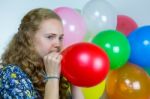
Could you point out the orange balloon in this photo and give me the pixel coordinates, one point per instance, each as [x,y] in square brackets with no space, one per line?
[128,82]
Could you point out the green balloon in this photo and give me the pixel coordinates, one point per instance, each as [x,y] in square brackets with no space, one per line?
[147,70]
[116,46]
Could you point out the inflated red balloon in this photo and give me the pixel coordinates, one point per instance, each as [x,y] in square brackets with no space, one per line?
[125,24]
[84,64]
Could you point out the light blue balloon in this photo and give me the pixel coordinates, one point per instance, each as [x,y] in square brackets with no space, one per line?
[139,41]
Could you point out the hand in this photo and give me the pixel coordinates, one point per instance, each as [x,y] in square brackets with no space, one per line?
[52,64]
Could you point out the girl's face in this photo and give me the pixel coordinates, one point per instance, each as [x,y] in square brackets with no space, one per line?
[49,37]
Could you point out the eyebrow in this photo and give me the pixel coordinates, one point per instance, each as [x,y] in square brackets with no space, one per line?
[53,34]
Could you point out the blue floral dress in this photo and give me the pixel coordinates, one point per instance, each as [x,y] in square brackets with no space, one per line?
[15,84]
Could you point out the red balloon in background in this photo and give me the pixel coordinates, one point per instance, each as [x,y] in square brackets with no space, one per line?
[84,64]
[125,24]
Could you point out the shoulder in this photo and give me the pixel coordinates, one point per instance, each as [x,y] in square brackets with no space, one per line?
[12,71]
[15,83]
[10,67]
[13,74]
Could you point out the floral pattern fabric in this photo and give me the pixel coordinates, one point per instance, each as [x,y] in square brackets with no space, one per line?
[15,84]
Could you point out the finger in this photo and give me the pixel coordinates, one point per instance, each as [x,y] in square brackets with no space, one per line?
[53,55]
[49,57]
[59,58]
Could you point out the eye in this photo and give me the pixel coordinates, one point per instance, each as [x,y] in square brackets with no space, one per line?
[61,38]
[50,37]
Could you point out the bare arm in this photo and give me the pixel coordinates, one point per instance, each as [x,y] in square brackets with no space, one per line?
[52,89]
[77,93]
[52,67]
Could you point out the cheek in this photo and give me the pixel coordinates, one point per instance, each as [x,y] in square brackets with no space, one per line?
[43,47]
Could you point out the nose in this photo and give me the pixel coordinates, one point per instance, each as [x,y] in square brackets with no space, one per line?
[57,43]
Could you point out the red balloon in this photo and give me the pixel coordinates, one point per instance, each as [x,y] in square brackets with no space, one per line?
[125,24]
[84,64]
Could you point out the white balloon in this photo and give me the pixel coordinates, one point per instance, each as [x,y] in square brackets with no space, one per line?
[99,15]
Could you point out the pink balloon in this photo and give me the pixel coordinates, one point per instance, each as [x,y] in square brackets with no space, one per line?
[125,24]
[74,25]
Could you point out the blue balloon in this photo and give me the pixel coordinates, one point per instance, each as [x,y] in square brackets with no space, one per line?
[139,41]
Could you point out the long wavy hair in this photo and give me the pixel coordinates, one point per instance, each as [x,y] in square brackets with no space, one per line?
[21,50]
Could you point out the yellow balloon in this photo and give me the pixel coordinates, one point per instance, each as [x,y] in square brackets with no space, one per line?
[94,92]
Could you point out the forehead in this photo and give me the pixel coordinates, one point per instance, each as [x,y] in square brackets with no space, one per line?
[51,26]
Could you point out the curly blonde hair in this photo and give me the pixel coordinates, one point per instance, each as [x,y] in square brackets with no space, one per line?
[21,51]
